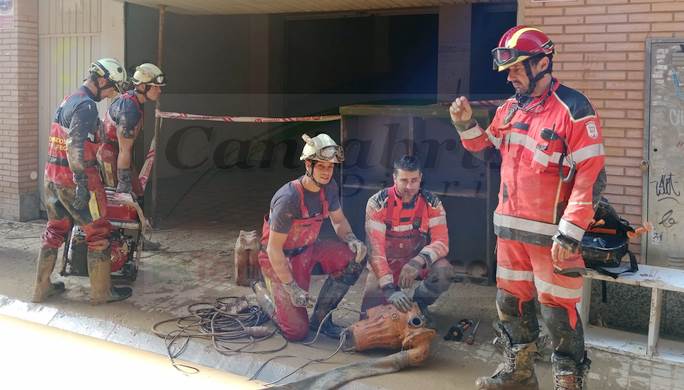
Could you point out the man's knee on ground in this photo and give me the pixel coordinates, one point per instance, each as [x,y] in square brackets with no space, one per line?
[439,279]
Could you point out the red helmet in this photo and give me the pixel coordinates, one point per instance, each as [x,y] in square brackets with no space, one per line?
[518,44]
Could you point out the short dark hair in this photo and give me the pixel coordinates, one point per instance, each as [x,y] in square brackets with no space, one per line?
[407,163]
[534,60]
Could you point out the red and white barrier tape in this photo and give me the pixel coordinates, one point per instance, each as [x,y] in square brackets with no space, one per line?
[263,119]
[244,119]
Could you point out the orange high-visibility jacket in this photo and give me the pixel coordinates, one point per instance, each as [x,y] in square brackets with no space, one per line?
[391,223]
[534,203]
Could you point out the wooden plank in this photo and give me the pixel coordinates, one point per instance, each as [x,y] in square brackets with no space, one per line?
[654,321]
[648,276]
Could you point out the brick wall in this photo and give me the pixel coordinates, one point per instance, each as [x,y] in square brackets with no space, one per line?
[19,112]
[601,47]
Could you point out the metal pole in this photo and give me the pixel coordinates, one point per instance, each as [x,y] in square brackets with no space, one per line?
[157,121]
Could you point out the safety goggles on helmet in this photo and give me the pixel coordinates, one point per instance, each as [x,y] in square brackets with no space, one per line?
[503,56]
[328,153]
[159,80]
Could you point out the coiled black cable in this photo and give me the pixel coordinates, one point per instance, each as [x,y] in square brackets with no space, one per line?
[226,322]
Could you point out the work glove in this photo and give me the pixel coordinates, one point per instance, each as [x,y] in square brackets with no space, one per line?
[298,296]
[397,298]
[409,273]
[124,185]
[81,194]
[357,246]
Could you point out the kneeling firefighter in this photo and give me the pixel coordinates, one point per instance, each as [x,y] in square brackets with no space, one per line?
[293,250]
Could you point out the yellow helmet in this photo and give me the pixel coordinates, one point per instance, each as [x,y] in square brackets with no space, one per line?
[149,74]
[322,148]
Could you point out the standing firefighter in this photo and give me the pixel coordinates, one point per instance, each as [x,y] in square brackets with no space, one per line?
[73,189]
[293,250]
[549,137]
[407,231]
[122,125]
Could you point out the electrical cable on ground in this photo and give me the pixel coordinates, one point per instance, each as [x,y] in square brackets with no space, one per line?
[230,320]
[309,361]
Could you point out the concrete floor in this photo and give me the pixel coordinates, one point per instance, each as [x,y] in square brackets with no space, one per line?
[195,265]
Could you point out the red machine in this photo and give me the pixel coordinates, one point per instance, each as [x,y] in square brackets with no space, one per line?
[129,226]
[125,215]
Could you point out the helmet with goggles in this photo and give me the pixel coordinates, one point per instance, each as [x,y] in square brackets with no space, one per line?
[149,74]
[519,44]
[322,148]
[112,71]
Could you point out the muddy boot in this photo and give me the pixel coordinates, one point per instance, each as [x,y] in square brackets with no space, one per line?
[43,288]
[567,374]
[516,372]
[330,296]
[101,290]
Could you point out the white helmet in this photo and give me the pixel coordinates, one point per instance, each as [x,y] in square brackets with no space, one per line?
[322,148]
[111,70]
[149,74]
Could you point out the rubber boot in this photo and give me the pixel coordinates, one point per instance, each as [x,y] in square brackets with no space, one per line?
[101,290]
[329,297]
[516,372]
[43,288]
[567,374]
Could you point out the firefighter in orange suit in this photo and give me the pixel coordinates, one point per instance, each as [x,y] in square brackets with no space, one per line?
[552,173]
[73,189]
[407,232]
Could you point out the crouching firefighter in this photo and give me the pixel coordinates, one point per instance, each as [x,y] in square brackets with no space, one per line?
[406,227]
[293,250]
[73,189]
[552,174]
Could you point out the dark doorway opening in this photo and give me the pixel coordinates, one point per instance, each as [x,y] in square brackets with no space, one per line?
[489,22]
[378,54]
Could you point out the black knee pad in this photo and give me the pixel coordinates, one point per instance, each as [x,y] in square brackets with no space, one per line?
[350,274]
[509,305]
[439,279]
[520,322]
[565,340]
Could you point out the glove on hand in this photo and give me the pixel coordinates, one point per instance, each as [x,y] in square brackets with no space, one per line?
[298,296]
[397,297]
[124,185]
[357,246]
[81,194]
[409,273]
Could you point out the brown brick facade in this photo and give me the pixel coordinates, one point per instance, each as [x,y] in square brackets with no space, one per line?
[601,47]
[19,112]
